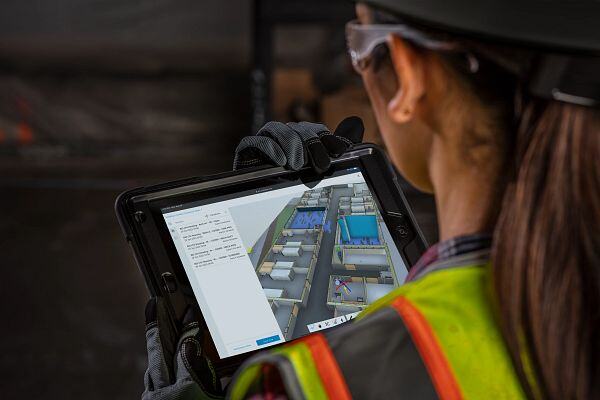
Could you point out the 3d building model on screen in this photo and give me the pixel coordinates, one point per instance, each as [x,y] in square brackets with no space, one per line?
[361,251]
[325,255]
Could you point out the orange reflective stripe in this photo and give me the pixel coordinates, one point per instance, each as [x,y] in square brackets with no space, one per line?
[429,349]
[327,367]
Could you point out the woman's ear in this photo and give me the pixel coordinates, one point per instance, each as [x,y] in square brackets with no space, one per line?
[409,68]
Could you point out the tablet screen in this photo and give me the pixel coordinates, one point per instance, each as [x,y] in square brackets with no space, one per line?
[280,262]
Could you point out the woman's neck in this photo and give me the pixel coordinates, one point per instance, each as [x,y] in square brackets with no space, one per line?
[466,194]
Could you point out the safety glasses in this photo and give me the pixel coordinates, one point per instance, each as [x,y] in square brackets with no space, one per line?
[364,40]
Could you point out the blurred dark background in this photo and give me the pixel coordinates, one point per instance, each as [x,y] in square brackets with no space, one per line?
[98,96]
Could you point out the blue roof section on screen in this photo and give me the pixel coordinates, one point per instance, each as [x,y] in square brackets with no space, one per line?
[307,218]
[359,227]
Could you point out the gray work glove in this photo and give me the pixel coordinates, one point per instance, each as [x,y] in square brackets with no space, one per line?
[298,144]
[177,367]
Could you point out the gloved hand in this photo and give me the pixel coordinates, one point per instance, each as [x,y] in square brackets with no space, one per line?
[298,144]
[177,367]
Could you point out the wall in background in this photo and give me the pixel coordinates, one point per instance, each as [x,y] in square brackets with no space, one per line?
[99,96]
[134,35]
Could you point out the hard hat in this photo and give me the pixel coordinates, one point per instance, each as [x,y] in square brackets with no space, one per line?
[555,24]
[564,33]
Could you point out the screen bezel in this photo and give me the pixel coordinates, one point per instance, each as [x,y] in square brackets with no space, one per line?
[162,255]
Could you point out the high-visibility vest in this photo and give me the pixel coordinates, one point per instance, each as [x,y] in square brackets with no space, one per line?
[433,337]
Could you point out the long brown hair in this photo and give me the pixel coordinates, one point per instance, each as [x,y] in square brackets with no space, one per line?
[546,251]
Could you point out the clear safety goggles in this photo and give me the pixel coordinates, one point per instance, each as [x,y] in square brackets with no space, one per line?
[362,40]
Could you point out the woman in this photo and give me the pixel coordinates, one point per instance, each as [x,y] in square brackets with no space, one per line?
[507,138]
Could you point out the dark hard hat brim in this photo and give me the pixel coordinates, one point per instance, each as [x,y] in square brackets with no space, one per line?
[561,25]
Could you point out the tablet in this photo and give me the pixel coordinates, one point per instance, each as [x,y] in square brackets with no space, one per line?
[272,255]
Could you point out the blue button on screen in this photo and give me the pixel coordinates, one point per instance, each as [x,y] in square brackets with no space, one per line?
[270,339]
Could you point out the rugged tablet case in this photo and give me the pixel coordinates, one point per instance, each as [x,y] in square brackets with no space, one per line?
[407,234]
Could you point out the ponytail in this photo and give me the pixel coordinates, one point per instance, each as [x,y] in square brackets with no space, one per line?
[546,254]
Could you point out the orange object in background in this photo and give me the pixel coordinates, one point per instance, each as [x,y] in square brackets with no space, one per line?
[350,100]
[296,84]
[24,133]
[289,85]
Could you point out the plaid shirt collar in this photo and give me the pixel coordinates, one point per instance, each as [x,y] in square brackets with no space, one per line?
[442,251]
